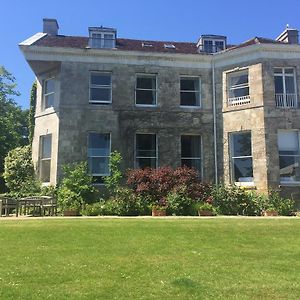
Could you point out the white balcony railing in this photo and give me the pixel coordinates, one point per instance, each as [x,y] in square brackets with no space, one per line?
[238,100]
[286,100]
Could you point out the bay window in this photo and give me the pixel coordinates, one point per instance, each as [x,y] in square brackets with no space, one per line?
[48,93]
[238,88]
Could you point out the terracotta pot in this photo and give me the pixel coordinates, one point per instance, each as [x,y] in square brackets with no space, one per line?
[71,212]
[270,213]
[205,213]
[158,212]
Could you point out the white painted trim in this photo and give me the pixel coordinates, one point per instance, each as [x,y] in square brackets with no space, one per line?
[135,89]
[33,39]
[100,86]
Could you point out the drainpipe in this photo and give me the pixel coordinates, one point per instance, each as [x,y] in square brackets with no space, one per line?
[214,120]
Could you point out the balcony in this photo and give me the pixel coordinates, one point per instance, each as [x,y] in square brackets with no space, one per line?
[286,100]
[238,100]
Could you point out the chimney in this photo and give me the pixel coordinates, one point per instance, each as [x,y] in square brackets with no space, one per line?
[289,36]
[50,26]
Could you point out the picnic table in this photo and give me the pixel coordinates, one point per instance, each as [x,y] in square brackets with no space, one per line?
[38,205]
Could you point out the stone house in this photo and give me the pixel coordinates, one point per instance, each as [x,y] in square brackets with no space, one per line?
[231,112]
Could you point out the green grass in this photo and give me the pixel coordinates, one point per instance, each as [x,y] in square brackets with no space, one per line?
[197,258]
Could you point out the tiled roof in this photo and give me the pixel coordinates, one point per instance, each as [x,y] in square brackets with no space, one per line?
[137,45]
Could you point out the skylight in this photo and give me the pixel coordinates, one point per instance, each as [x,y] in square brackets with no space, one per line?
[169,46]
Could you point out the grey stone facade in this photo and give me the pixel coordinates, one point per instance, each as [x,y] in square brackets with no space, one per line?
[72,117]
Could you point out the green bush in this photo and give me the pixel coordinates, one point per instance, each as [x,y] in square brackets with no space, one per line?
[179,203]
[284,207]
[76,187]
[19,173]
[94,209]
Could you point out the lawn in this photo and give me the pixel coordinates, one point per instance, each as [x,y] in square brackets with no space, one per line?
[193,258]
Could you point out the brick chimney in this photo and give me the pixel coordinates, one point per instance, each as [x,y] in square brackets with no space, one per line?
[50,26]
[289,36]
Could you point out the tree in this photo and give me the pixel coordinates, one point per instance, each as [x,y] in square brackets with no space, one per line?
[13,121]
[19,172]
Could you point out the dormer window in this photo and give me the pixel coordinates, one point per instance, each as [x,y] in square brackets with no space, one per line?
[211,43]
[102,37]
[169,46]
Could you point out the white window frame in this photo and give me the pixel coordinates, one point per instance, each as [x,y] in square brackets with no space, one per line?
[232,158]
[98,86]
[42,159]
[45,95]
[213,44]
[149,157]
[100,156]
[101,37]
[232,101]
[139,89]
[191,158]
[199,91]
[285,182]
[283,74]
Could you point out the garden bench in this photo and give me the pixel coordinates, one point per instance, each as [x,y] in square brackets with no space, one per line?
[8,204]
[50,204]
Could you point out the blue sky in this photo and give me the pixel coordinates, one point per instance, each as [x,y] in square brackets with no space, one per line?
[153,20]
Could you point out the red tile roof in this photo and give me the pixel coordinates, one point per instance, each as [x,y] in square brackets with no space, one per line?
[137,45]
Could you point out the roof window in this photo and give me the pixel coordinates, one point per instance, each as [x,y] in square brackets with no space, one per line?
[169,46]
[102,37]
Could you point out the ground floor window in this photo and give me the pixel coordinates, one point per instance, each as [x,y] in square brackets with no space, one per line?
[98,155]
[191,151]
[45,157]
[289,156]
[145,150]
[241,157]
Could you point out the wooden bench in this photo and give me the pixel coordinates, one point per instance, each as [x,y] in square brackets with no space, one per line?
[7,204]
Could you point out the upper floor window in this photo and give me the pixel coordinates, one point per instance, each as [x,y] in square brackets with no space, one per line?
[238,88]
[145,150]
[45,157]
[241,157]
[191,151]
[102,37]
[48,93]
[189,91]
[98,155]
[213,46]
[285,87]
[100,88]
[145,90]
[289,156]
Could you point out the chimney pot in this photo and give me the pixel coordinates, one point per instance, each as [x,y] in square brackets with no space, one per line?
[289,36]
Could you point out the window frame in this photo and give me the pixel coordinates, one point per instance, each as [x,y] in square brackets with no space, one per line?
[48,94]
[43,159]
[96,86]
[213,45]
[283,75]
[101,43]
[199,91]
[283,182]
[136,89]
[193,158]
[99,156]
[149,157]
[233,157]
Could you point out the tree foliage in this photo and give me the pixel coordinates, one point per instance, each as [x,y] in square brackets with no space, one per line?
[13,120]
[19,172]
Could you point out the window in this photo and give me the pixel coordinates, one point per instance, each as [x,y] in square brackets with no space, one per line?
[289,156]
[219,46]
[45,157]
[241,157]
[238,88]
[169,46]
[98,155]
[285,87]
[145,91]
[100,88]
[49,87]
[208,46]
[100,39]
[213,46]
[191,151]
[189,91]
[145,151]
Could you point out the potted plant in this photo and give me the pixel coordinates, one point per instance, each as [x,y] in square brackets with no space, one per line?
[159,209]
[270,211]
[206,209]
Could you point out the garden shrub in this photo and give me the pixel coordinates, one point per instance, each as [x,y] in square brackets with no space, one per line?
[284,207]
[19,173]
[76,187]
[179,203]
